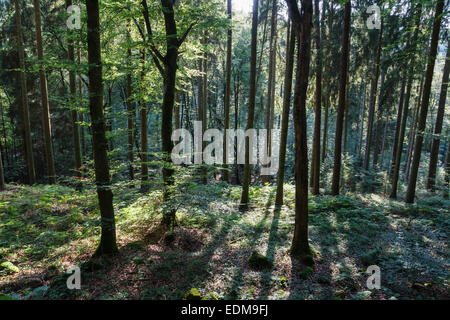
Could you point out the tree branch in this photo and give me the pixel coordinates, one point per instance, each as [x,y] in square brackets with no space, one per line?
[183,38]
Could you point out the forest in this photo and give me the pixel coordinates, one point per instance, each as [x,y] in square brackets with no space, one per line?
[224,150]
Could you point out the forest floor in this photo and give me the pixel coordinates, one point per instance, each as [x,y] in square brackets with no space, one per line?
[44,230]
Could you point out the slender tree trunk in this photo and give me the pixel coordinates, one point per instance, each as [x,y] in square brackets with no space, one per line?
[439,120]
[318,105]
[100,144]
[410,194]
[236,125]
[251,107]
[361,130]
[73,92]
[327,101]
[302,24]
[170,75]
[271,84]
[373,97]
[399,120]
[378,129]
[130,110]
[226,107]
[290,51]
[144,129]
[412,131]
[44,97]
[24,99]
[342,96]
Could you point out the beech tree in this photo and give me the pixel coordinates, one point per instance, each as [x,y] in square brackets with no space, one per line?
[107,244]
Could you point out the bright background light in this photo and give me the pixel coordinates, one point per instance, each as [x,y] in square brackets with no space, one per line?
[242,5]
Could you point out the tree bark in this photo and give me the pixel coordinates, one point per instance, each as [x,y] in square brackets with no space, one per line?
[318,105]
[251,108]
[144,129]
[410,194]
[44,98]
[271,84]
[439,120]
[342,96]
[73,92]
[226,107]
[373,97]
[24,99]
[302,24]
[130,110]
[100,144]
[290,51]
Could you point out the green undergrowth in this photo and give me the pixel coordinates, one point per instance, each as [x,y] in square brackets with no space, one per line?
[219,251]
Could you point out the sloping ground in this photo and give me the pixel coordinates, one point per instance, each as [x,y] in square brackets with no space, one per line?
[44,230]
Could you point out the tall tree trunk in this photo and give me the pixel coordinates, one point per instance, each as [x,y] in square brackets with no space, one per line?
[24,99]
[100,144]
[373,97]
[361,130]
[327,101]
[130,109]
[44,97]
[170,74]
[73,92]
[302,24]
[439,120]
[410,194]
[144,129]
[412,130]
[399,121]
[251,107]
[226,108]
[271,84]
[342,96]
[290,51]
[378,129]
[318,105]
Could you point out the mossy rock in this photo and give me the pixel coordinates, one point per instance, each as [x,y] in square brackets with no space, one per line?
[305,274]
[8,267]
[193,294]
[259,262]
